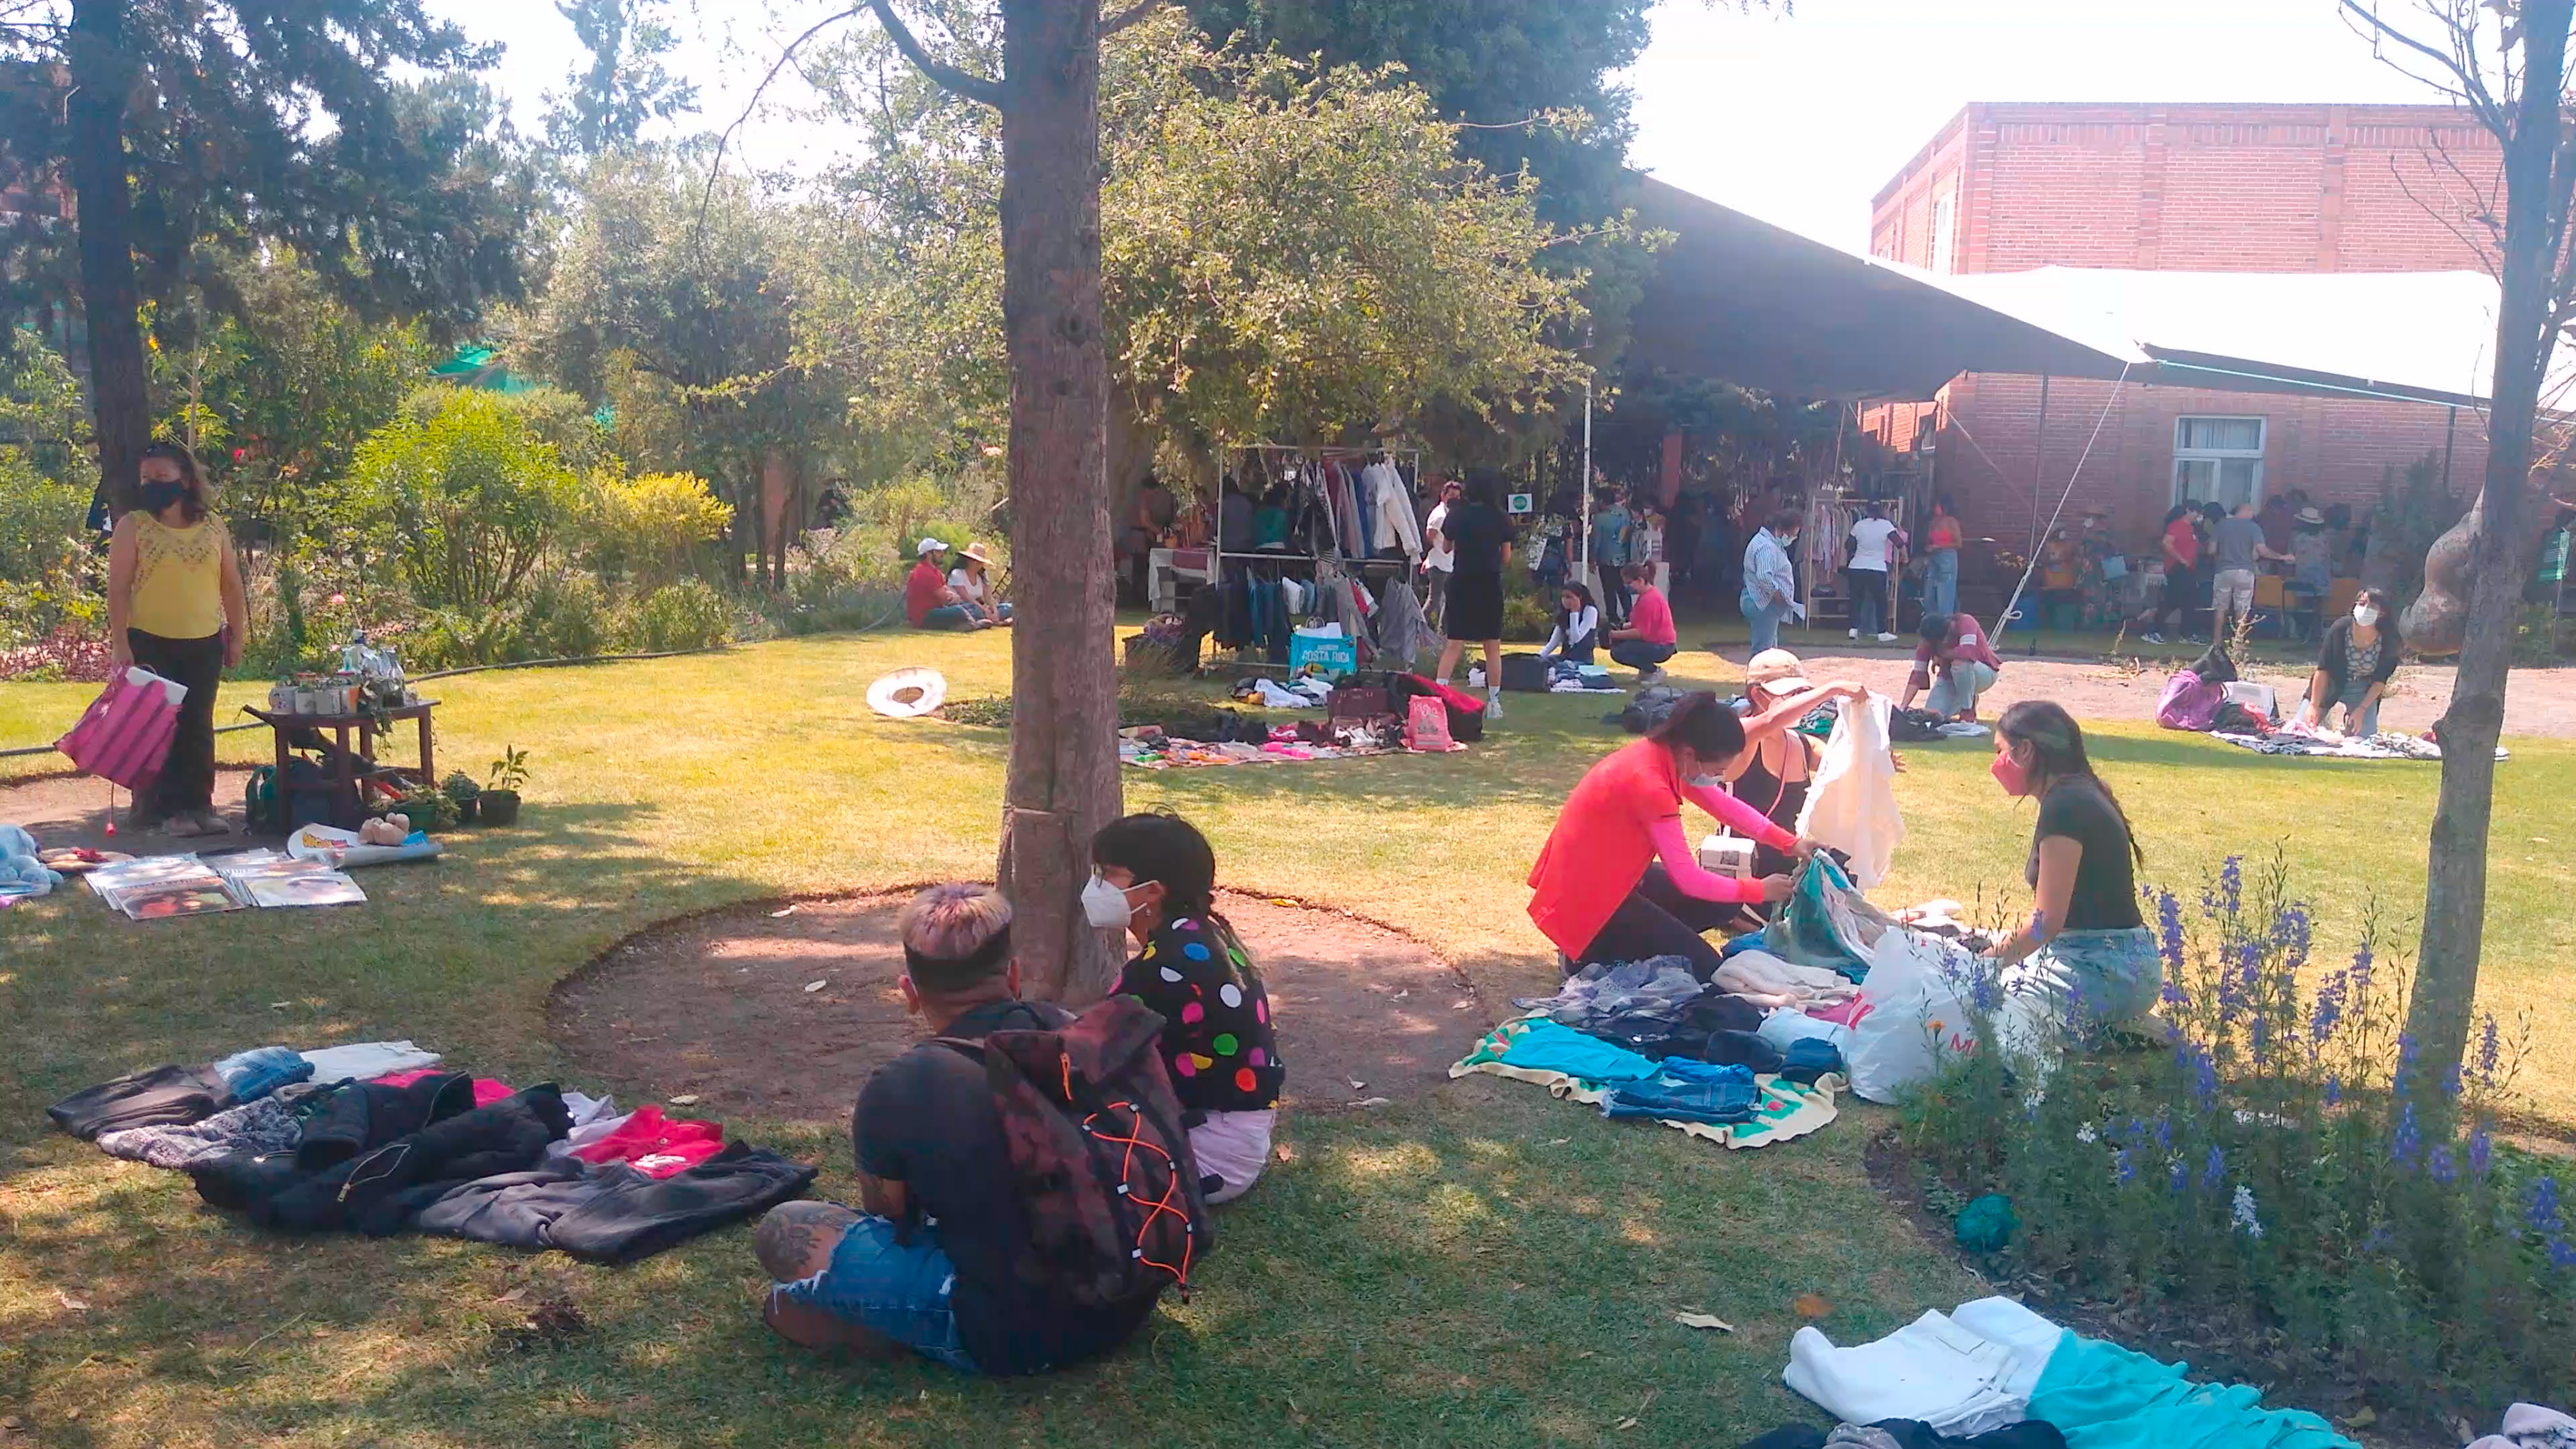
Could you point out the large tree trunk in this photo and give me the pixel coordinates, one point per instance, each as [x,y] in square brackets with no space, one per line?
[1062,783]
[2455,887]
[111,300]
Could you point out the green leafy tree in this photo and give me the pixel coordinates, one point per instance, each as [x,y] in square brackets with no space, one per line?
[1288,253]
[464,502]
[693,288]
[185,130]
[625,87]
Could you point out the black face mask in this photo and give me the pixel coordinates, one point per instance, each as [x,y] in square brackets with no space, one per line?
[157,497]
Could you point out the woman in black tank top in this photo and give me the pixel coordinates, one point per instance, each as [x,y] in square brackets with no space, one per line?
[1773,772]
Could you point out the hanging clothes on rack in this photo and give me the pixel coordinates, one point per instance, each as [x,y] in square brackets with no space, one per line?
[1402,632]
[1390,503]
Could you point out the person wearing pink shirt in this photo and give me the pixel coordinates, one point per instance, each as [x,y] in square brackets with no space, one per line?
[1648,638]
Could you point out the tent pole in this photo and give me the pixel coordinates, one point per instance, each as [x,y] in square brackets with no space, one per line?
[1583,542]
[2039,466]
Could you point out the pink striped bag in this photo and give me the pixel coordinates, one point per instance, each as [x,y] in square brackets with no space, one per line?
[125,734]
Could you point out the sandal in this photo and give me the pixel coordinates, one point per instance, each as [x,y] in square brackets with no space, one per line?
[207,822]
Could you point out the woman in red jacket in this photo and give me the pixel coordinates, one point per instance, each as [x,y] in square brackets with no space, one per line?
[1617,880]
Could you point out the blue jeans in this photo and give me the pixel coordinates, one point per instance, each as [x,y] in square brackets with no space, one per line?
[948,616]
[1638,654]
[2351,699]
[1765,622]
[2106,977]
[1941,581]
[900,1291]
[1957,690]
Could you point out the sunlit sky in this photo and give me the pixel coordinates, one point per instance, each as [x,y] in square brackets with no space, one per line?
[1796,118]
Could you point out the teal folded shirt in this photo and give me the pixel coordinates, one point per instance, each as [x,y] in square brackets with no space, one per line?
[2102,1396]
[1548,1047]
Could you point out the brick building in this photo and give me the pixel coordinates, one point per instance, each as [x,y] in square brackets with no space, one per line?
[2233,188]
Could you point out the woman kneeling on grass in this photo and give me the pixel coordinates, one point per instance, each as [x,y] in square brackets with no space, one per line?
[2086,945]
[1156,879]
[1617,880]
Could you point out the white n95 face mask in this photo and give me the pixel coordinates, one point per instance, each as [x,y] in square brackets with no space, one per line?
[1105,905]
[2365,616]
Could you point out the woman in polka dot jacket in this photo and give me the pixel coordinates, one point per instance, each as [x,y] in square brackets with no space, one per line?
[1190,968]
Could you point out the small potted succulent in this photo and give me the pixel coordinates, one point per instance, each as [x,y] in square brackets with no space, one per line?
[460,788]
[500,797]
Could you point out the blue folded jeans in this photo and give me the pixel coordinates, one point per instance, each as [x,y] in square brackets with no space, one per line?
[254,1074]
[1706,1094]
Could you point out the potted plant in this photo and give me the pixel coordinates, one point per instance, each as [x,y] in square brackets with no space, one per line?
[500,797]
[460,788]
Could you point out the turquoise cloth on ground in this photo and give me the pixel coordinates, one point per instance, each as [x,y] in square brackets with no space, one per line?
[1809,930]
[2102,1396]
[1548,1047]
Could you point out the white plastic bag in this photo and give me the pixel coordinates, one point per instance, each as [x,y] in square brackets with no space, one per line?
[1852,804]
[1913,1019]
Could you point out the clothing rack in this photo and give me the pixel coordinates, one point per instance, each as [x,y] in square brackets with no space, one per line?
[1254,466]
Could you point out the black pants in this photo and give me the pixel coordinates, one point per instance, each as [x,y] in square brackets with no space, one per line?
[1638,654]
[1869,610]
[187,781]
[1616,601]
[1658,920]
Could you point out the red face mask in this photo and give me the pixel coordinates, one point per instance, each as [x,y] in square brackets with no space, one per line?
[2010,773]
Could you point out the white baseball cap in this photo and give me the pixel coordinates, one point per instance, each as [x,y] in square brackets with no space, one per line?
[929,546]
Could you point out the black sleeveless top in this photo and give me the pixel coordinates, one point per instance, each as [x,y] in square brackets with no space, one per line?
[1779,799]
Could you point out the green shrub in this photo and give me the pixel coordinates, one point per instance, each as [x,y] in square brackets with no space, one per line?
[687,615]
[2279,1166]
[646,529]
[464,500]
[48,576]
[564,614]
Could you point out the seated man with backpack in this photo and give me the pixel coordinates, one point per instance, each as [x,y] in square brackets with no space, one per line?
[1026,1184]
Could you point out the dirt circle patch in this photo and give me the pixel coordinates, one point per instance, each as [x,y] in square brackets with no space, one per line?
[726,1007]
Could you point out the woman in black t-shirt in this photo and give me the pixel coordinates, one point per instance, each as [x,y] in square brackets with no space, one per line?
[1156,877]
[2086,945]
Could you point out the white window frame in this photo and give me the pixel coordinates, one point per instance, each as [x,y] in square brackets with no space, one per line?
[2203,474]
[1945,225]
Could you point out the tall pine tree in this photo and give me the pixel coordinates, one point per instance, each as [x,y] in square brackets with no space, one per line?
[180,128]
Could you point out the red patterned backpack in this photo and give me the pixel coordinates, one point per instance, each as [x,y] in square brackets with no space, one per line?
[1113,1200]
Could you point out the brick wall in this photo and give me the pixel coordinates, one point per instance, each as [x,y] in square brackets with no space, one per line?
[2181,188]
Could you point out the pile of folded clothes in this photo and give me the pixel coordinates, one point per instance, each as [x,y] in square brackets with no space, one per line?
[1647,1039]
[373,1137]
[1993,1375]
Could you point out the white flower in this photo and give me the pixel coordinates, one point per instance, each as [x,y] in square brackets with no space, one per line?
[2086,1135]
[2244,1214]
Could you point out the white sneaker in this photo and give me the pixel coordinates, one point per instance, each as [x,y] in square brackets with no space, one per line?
[1886,638]
[2151,638]
[1855,633]
[1493,704]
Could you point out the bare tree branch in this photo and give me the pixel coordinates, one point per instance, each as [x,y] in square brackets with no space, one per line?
[715,167]
[1111,24]
[2471,87]
[965,83]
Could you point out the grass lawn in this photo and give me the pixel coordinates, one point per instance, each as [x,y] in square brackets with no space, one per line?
[1481,1265]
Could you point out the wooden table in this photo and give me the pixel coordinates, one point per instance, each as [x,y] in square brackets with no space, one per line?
[350,772]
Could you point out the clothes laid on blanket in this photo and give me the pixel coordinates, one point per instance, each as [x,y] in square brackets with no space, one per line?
[1702,1093]
[299,1189]
[614,1213]
[1806,1060]
[1632,993]
[1545,1046]
[365,1060]
[1915,1434]
[1826,923]
[1851,801]
[1786,1028]
[655,1145]
[1963,1373]
[1773,982]
[585,1133]
[486,1090]
[2531,1426]
[253,1074]
[388,1187]
[163,1096]
[2105,1397]
[266,1125]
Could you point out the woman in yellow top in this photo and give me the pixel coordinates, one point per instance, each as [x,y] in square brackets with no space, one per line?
[175,606]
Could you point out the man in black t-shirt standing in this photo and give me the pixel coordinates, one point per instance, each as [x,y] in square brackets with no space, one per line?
[927,1265]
